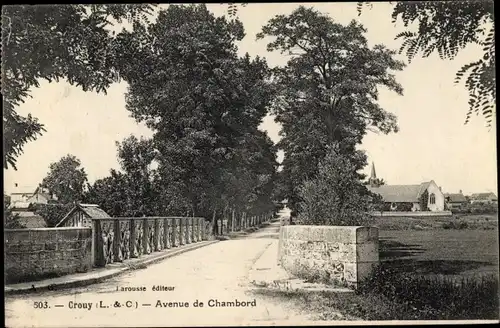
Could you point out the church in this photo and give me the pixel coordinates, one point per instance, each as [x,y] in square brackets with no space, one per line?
[426,196]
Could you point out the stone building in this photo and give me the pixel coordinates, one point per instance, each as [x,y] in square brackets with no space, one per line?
[408,197]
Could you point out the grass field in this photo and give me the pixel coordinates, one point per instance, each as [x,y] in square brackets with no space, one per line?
[442,252]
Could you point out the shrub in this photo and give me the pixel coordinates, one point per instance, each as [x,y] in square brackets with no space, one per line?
[336,196]
[404,207]
[477,208]
[459,225]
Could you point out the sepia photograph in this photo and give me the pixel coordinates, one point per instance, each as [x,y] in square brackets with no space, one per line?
[250,164]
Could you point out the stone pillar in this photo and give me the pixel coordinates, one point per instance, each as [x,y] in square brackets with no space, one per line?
[156,236]
[145,236]
[174,232]
[182,234]
[132,238]
[98,248]
[338,254]
[166,230]
[189,230]
[117,241]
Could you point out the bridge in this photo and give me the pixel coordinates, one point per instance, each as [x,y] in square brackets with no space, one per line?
[210,285]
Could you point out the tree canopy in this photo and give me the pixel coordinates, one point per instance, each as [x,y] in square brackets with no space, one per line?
[204,104]
[55,42]
[66,180]
[447,27]
[327,92]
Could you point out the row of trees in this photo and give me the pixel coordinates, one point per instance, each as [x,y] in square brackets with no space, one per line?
[204,103]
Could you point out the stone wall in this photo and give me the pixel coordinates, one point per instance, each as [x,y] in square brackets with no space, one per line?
[32,254]
[330,254]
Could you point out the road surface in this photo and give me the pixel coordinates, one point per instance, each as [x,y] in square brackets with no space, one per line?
[210,275]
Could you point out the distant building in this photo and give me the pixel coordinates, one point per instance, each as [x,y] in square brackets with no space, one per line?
[22,197]
[408,196]
[81,216]
[454,201]
[484,198]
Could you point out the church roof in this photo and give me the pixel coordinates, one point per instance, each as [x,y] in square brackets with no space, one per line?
[400,193]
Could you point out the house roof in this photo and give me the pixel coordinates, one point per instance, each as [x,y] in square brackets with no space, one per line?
[28,193]
[24,190]
[42,192]
[92,211]
[400,193]
[455,198]
[483,196]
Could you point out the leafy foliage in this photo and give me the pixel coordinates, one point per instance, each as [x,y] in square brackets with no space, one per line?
[53,42]
[335,196]
[232,9]
[327,92]
[10,219]
[205,105]
[446,27]
[52,213]
[66,180]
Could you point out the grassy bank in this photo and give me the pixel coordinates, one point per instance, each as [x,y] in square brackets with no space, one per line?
[395,296]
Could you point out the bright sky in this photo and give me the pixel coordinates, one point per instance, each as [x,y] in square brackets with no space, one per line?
[433,143]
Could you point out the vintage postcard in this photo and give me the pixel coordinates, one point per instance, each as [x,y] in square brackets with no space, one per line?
[250,164]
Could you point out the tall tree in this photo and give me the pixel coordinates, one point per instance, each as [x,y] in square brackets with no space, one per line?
[203,101]
[66,180]
[328,91]
[112,194]
[447,27]
[55,42]
[131,192]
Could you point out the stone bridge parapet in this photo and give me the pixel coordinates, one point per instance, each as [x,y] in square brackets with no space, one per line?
[118,239]
[330,254]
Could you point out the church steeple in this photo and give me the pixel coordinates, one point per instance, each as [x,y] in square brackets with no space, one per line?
[373,175]
[374,182]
